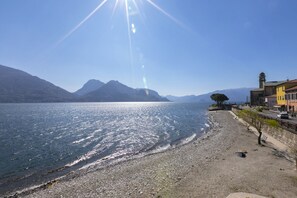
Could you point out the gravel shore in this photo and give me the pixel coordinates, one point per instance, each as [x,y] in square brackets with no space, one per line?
[208,167]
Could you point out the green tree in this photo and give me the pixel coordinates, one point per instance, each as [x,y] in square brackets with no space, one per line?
[254,119]
[219,98]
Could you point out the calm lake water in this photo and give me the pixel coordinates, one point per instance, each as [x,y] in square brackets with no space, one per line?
[43,141]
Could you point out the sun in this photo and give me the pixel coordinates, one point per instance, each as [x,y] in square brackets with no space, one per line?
[130,8]
[126,4]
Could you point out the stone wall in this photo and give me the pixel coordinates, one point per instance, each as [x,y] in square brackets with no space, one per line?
[286,137]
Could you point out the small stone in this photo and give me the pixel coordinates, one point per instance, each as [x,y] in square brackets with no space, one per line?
[241,154]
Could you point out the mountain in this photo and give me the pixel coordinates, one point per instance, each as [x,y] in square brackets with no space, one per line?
[235,95]
[90,86]
[19,86]
[114,91]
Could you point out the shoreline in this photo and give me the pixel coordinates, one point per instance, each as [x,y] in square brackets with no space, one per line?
[206,167]
[107,163]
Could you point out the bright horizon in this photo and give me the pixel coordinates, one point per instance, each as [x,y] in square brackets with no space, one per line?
[174,47]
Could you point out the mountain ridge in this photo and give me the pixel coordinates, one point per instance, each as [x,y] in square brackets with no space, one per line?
[235,95]
[121,92]
[89,86]
[17,86]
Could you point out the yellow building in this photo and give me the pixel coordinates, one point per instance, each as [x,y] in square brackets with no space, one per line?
[280,92]
[280,95]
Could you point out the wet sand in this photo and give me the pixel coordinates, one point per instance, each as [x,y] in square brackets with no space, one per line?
[208,167]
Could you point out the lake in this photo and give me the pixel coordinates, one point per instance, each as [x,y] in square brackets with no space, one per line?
[42,141]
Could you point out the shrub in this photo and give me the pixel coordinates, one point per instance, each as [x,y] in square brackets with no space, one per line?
[272,123]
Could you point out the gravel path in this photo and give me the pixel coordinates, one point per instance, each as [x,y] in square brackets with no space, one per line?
[207,167]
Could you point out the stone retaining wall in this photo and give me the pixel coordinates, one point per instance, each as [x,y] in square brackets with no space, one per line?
[286,137]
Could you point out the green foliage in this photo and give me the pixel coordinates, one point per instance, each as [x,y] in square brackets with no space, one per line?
[272,123]
[248,114]
[255,120]
[259,109]
[219,98]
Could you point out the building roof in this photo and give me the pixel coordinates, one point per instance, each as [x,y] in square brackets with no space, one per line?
[293,81]
[289,82]
[273,83]
[259,89]
[271,96]
[292,89]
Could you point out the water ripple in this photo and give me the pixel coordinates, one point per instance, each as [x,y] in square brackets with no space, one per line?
[37,139]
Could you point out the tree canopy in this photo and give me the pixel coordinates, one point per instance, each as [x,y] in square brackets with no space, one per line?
[219,98]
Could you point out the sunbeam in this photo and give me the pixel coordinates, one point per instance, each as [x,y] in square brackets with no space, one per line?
[81,23]
[138,11]
[127,19]
[129,35]
[135,6]
[114,8]
[166,14]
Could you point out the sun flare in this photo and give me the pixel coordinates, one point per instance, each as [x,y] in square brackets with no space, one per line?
[127,4]
[130,8]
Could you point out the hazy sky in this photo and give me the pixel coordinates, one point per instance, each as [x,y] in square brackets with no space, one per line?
[175,47]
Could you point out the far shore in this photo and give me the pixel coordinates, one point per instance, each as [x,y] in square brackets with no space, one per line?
[210,166]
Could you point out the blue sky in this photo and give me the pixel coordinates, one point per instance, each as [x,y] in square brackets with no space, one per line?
[188,47]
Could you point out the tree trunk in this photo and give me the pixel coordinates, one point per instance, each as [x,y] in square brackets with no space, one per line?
[259,138]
